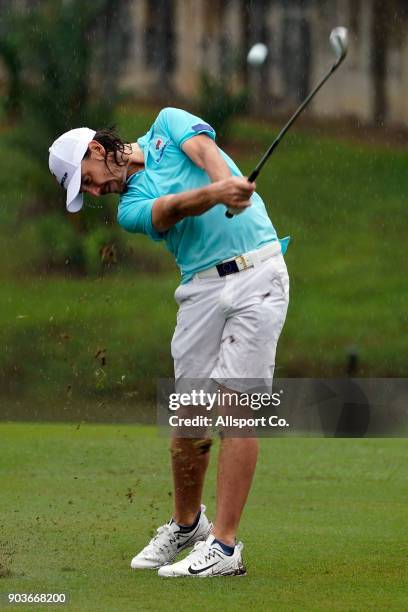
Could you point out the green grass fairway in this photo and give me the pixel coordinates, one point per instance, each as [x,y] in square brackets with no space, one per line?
[325,527]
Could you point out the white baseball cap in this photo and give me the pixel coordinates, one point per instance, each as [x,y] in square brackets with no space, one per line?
[66,154]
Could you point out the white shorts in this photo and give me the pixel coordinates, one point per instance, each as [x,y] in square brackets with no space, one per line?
[228,327]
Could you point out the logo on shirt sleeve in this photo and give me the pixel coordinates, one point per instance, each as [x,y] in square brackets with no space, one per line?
[202,127]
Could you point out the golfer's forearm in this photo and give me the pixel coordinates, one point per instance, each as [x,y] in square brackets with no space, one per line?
[170,209]
[194,202]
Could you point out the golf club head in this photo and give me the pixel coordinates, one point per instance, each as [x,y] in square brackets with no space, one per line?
[339,43]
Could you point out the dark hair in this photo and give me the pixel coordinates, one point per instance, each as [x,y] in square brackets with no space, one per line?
[112,143]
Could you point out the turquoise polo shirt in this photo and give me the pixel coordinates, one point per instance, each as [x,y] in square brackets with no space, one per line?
[201,242]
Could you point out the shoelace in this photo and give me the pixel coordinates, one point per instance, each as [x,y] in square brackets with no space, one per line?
[202,553]
[158,543]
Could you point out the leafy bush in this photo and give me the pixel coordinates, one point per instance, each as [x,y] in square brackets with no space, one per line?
[51,244]
[54,244]
[101,249]
[218,103]
[62,63]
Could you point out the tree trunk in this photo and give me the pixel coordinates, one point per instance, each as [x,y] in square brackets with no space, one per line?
[380,30]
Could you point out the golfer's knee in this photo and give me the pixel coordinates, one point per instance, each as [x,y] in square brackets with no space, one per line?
[203,446]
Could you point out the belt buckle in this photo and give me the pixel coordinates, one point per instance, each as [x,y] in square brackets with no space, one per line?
[243,261]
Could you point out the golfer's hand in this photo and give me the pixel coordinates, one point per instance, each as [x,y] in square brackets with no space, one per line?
[235,193]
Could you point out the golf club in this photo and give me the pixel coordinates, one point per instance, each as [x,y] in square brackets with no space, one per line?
[339,43]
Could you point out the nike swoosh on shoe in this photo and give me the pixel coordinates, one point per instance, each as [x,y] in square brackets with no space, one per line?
[193,571]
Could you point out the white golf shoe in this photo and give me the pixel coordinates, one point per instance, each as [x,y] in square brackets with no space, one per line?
[169,540]
[207,559]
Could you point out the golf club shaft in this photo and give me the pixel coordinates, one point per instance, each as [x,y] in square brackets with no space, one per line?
[283,131]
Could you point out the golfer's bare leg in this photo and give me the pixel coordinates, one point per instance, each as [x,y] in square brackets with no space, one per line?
[189,458]
[236,467]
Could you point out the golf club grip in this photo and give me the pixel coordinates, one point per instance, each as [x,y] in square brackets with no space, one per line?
[251,179]
[253,175]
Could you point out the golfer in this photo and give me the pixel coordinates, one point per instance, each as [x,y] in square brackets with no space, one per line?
[175,185]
